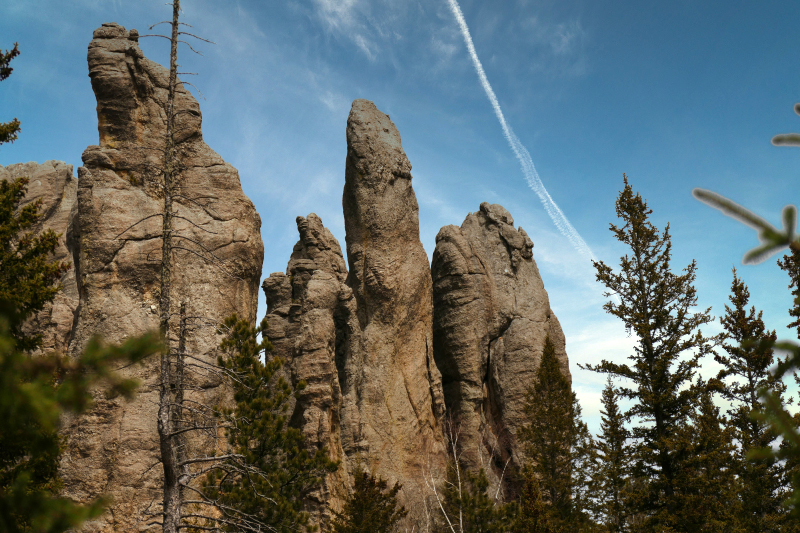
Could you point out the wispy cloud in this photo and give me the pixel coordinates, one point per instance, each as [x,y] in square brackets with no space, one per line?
[346,18]
[338,14]
[561,45]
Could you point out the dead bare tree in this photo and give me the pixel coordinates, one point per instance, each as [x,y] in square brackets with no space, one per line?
[194,436]
[453,492]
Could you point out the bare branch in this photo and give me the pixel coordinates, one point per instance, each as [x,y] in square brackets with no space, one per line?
[210,459]
[139,222]
[195,36]
[195,225]
[190,47]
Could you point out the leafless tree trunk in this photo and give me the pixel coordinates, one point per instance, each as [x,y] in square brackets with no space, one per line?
[169,456]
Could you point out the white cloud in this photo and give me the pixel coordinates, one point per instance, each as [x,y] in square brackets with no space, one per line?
[338,14]
[346,18]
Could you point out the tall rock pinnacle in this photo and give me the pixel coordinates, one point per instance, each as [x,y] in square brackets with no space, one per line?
[113,449]
[362,340]
[391,383]
[491,317]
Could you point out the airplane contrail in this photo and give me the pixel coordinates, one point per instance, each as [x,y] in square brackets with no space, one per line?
[524,157]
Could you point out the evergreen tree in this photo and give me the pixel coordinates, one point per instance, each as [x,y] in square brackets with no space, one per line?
[791,265]
[28,278]
[706,484]
[371,508]
[467,506]
[748,361]
[8,130]
[34,392]
[610,475]
[264,478]
[532,514]
[556,440]
[655,305]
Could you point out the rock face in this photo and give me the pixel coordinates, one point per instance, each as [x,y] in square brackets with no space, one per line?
[306,310]
[397,355]
[52,183]
[491,316]
[392,388]
[114,448]
[363,340]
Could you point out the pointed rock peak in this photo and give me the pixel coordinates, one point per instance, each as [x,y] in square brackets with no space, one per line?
[497,213]
[373,140]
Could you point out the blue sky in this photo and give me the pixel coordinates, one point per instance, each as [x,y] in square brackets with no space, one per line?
[676,94]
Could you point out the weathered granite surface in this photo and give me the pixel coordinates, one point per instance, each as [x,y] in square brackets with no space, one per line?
[52,182]
[217,265]
[491,316]
[363,340]
[307,308]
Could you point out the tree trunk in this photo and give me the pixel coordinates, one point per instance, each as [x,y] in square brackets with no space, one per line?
[166,419]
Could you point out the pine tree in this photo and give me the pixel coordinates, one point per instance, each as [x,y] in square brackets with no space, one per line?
[746,366]
[706,484]
[532,514]
[555,440]
[264,478]
[28,278]
[791,265]
[655,305]
[610,475]
[8,130]
[467,506]
[371,508]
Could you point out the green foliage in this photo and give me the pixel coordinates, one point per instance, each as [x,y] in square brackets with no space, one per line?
[611,472]
[791,265]
[532,515]
[8,130]
[655,305]
[34,392]
[745,371]
[556,441]
[467,506]
[773,240]
[371,508]
[268,473]
[28,279]
[706,484]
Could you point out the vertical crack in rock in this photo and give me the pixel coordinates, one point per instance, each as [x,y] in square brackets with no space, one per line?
[491,315]
[117,270]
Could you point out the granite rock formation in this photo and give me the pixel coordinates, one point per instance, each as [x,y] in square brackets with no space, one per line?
[306,310]
[491,316]
[363,339]
[52,183]
[395,353]
[114,448]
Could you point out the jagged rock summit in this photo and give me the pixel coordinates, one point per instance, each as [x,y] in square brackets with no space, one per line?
[114,449]
[363,340]
[400,355]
